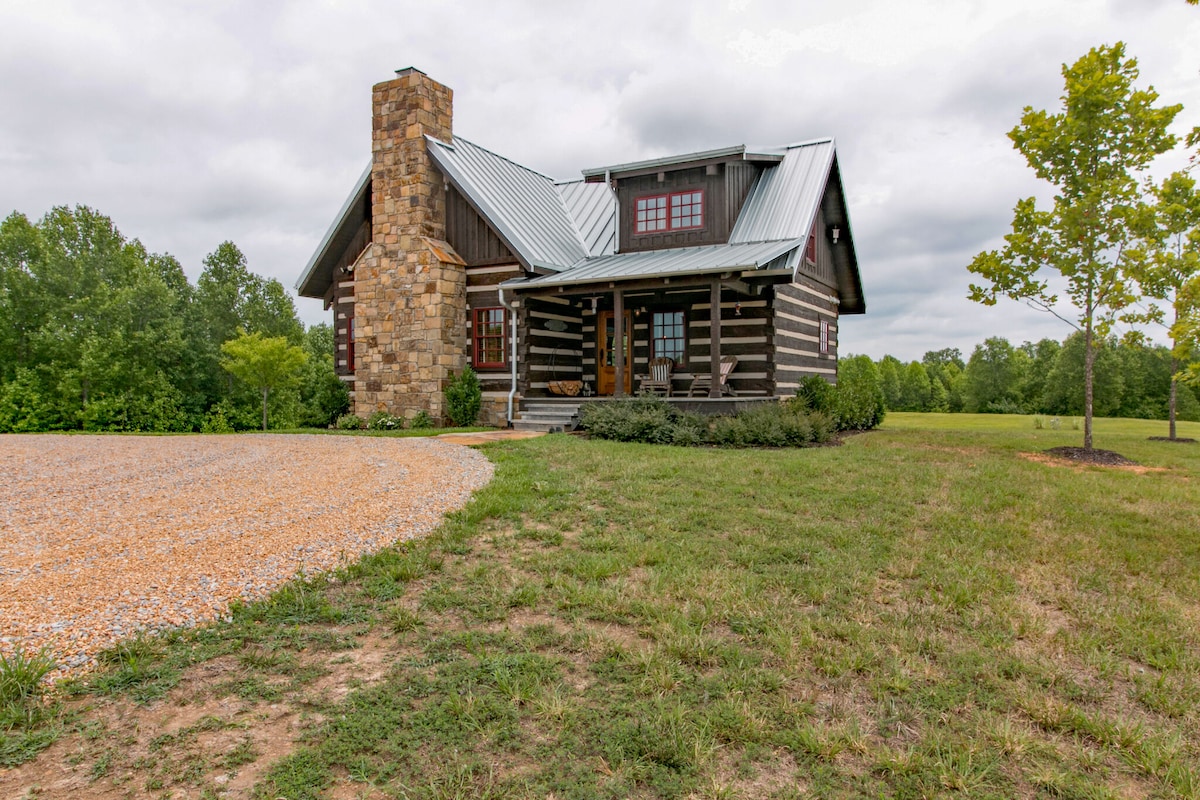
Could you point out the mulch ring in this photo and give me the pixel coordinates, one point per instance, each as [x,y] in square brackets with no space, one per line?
[1177,439]
[1078,458]
[1104,458]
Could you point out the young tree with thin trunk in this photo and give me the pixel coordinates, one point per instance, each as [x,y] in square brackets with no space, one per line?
[264,363]
[1166,267]
[1091,151]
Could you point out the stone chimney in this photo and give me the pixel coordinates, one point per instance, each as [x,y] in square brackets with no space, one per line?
[410,295]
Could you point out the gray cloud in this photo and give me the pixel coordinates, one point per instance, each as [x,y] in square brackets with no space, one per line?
[193,123]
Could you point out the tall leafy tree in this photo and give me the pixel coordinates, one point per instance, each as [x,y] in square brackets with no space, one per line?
[1064,384]
[1091,151]
[264,363]
[1040,357]
[992,378]
[1167,266]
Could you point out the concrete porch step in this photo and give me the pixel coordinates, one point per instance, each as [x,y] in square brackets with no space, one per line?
[550,417]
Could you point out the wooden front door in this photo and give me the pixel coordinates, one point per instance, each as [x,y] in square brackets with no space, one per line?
[606,370]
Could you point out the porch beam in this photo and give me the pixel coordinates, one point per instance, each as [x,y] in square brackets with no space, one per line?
[714,341]
[619,341]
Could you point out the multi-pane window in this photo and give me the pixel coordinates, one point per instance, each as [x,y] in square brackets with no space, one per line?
[488,332]
[651,214]
[686,211]
[824,337]
[667,329]
[350,344]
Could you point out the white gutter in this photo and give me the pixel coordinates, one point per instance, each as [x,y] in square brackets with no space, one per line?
[512,316]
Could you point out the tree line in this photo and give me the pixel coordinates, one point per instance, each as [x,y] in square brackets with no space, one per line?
[1132,379]
[98,334]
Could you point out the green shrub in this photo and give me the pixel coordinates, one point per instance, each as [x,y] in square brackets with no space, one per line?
[383,421]
[350,422]
[422,421]
[464,398]
[23,409]
[822,427]
[816,394]
[632,419]
[215,421]
[655,421]
[859,402]
[767,425]
[690,430]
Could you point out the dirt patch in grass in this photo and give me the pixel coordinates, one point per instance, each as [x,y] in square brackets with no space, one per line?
[1177,439]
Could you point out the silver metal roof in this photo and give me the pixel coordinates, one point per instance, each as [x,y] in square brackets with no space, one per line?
[523,206]
[666,263]
[746,153]
[593,207]
[783,204]
[318,274]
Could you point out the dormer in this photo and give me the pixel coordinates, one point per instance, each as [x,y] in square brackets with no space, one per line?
[686,200]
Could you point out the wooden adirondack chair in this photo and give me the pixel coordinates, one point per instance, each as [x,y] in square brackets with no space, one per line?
[704,382]
[659,379]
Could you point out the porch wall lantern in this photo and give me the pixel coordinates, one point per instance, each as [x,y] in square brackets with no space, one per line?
[834,233]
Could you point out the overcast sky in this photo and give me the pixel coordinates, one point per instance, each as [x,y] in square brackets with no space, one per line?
[190,123]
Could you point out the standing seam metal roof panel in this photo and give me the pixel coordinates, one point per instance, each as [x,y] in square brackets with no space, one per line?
[783,203]
[522,205]
[662,263]
[593,207]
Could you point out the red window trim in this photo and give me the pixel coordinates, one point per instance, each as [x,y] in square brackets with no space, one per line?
[810,250]
[671,228]
[477,338]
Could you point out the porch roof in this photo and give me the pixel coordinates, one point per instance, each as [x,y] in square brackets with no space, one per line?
[668,263]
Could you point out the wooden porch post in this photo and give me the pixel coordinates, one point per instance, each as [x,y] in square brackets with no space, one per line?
[714,340]
[619,342]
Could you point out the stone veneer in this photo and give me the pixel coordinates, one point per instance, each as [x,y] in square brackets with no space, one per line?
[410,288]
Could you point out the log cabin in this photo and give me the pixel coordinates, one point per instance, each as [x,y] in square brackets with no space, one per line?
[447,255]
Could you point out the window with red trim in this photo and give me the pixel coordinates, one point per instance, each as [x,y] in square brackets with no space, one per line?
[488,331]
[677,211]
[810,252]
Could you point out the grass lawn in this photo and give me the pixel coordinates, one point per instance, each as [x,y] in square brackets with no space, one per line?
[923,611]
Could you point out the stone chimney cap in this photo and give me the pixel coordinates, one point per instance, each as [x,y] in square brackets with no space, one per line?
[400,73]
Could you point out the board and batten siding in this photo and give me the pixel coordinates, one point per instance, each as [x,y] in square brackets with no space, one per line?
[470,235]
[725,191]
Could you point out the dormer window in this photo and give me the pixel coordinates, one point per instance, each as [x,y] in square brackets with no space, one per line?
[677,211]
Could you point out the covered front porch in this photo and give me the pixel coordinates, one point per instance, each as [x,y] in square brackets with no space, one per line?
[601,334]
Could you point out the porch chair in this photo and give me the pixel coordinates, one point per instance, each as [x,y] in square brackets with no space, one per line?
[704,382]
[659,379]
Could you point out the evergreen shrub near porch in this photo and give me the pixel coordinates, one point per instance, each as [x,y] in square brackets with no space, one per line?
[813,416]
[655,421]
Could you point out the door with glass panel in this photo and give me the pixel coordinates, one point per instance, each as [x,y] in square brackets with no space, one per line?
[606,359]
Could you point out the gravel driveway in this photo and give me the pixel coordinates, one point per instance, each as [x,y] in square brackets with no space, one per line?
[102,536]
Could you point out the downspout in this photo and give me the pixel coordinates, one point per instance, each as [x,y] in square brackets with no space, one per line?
[512,317]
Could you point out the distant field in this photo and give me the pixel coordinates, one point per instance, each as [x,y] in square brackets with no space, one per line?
[932,609]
